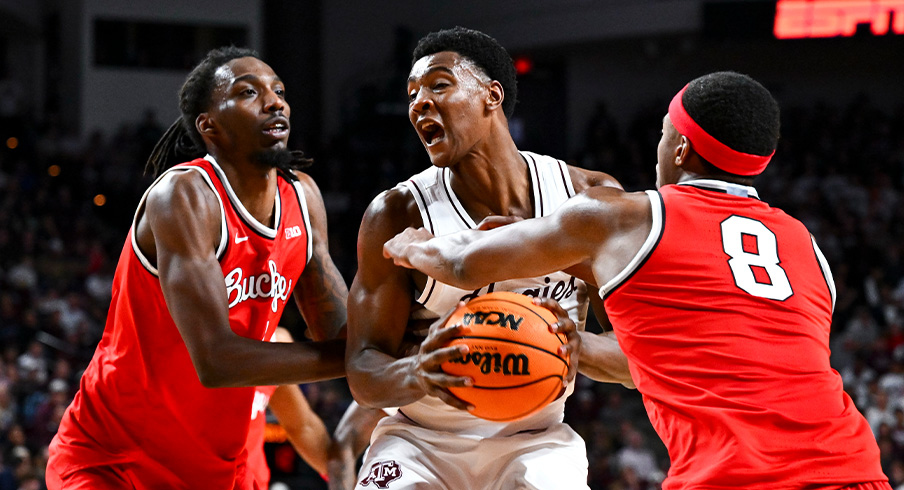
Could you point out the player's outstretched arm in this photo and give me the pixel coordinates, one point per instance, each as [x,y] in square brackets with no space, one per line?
[594,235]
[351,438]
[529,248]
[181,226]
[321,293]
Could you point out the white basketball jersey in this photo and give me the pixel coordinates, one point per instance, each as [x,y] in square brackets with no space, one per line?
[444,214]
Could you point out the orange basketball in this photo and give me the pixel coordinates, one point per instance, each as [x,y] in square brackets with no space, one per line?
[513,357]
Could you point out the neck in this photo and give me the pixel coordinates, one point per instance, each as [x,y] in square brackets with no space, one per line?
[254,185]
[493,179]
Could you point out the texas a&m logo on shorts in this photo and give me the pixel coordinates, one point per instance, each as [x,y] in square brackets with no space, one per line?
[381,473]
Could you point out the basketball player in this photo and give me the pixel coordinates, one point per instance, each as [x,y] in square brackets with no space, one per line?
[461,91]
[216,246]
[721,303]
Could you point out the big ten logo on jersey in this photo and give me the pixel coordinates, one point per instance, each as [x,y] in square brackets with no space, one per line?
[259,405]
[268,284]
[381,473]
[292,232]
[559,290]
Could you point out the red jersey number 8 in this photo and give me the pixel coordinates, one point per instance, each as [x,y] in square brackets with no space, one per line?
[754,258]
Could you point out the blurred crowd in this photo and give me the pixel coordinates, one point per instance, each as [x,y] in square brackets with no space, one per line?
[66,204]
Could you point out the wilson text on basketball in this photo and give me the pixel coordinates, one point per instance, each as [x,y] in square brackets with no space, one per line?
[508,365]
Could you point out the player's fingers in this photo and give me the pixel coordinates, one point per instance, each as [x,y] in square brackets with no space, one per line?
[564,325]
[552,305]
[443,319]
[572,368]
[452,400]
[438,334]
[439,323]
[438,339]
[573,340]
[435,351]
[572,347]
[432,361]
[440,381]
[395,247]
[437,384]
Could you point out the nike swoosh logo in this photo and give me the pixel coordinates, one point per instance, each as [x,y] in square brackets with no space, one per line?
[240,239]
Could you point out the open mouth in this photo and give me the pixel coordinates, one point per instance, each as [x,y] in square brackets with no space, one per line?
[277,129]
[431,132]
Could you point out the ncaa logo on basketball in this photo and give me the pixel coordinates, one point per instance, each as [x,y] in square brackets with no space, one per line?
[381,473]
[492,318]
[292,232]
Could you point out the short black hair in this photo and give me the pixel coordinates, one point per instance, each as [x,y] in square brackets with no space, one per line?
[482,50]
[736,110]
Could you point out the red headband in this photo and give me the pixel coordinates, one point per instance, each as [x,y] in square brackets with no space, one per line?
[713,150]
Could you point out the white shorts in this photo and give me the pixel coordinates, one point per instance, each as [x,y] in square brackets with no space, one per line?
[406,456]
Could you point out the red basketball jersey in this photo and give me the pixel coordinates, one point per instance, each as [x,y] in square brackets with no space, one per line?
[140,403]
[724,316]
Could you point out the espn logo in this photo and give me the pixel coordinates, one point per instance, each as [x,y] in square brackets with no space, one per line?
[293,232]
[796,19]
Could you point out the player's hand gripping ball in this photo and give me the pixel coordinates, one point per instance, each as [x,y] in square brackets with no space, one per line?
[513,357]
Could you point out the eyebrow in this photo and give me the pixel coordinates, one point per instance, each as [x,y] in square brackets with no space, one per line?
[252,78]
[431,70]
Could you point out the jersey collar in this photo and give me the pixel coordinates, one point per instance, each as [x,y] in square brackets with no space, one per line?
[243,213]
[722,186]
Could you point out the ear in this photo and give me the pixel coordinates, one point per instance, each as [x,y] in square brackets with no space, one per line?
[205,124]
[682,151]
[495,95]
